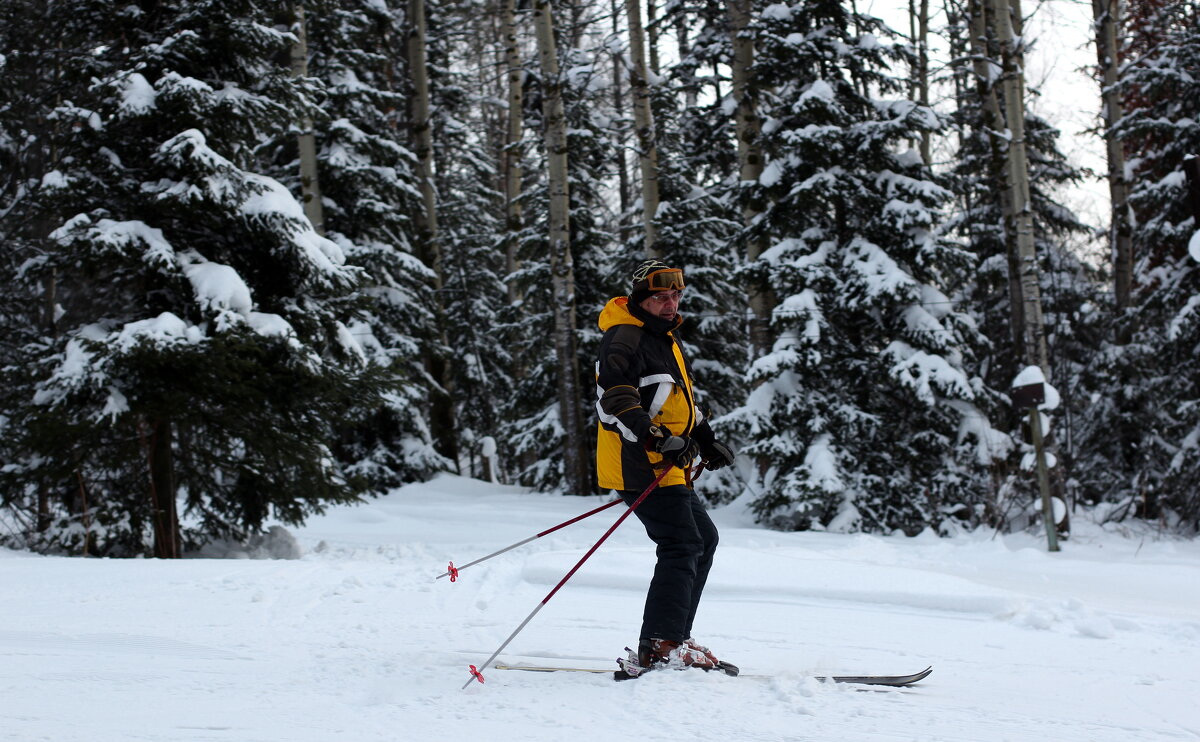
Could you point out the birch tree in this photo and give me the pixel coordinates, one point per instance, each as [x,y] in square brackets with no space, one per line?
[643,121]
[1107,21]
[562,273]
[420,121]
[514,75]
[306,139]
[1019,224]
[750,166]
[919,30]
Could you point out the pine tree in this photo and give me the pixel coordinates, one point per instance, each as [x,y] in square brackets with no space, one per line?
[864,410]
[45,61]
[464,82]
[370,198]
[1068,289]
[531,416]
[1161,92]
[204,355]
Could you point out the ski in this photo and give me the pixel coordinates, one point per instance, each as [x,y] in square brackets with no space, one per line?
[544,668]
[895,681]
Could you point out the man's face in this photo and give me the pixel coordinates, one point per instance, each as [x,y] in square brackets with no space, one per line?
[663,304]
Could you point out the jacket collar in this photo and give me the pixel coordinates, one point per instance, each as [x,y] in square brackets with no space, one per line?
[619,311]
[654,324]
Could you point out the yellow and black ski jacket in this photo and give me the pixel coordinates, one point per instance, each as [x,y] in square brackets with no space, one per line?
[642,379]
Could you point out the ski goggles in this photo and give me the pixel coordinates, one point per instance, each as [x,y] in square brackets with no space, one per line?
[664,279]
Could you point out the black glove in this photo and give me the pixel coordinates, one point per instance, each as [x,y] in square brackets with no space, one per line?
[677,449]
[717,455]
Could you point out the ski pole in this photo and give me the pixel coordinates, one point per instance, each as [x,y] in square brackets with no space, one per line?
[476,673]
[452,571]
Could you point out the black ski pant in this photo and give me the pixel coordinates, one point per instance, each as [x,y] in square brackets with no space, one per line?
[676,521]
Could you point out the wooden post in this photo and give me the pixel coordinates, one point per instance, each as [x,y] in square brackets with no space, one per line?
[1031,396]
[1043,476]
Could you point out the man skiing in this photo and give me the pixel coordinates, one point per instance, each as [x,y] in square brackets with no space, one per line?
[649,420]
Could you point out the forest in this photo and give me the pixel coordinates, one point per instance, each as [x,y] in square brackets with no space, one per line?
[258,258]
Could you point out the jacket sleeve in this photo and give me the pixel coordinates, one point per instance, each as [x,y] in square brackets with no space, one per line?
[703,434]
[620,369]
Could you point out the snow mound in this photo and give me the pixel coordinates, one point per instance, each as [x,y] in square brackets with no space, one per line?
[276,543]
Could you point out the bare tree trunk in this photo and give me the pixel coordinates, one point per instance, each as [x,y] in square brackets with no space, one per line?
[422,130]
[748,126]
[1021,208]
[167,542]
[685,48]
[562,272]
[652,35]
[985,80]
[923,74]
[643,122]
[1007,13]
[623,185]
[1107,21]
[310,187]
[46,316]
[441,407]
[515,75]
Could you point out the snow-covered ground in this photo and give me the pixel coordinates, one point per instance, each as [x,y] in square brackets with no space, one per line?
[356,641]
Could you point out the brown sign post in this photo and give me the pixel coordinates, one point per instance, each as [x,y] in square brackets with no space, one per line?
[1028,397]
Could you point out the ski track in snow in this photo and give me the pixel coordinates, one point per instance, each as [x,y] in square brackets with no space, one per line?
[357,641]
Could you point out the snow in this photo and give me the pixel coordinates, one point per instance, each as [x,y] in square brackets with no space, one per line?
[819,89]
[73,371]
[803,304]
[357,641]
[876,269]
[773,173]
[218,287]
[138,96]
[271,197]
[115,405]
[1029,460]
[823,469]
[991,445]
[55,180]
[349,343]
[926,374]
[265,323]
[1194,245]
[777,11]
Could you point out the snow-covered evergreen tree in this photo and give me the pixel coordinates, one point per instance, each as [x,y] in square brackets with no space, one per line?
[463,87]
[1161,452]
[367,181]
[204,351]
[531,418]
[864,413]
[45,61]
[1071,298]
[697,223]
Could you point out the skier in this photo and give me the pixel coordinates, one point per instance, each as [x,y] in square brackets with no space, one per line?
[649,419]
